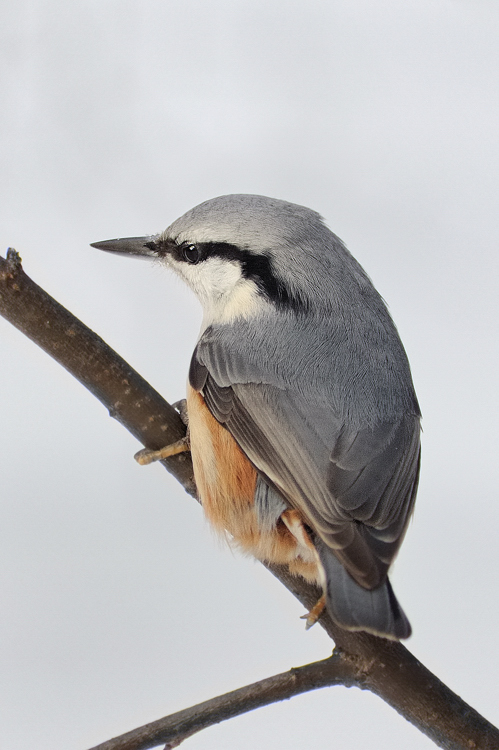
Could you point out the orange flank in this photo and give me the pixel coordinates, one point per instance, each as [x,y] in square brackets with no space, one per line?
[226,482]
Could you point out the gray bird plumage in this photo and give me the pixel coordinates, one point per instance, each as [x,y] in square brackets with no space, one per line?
[300,360]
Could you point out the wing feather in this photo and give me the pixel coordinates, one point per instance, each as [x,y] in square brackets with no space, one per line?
[354,483]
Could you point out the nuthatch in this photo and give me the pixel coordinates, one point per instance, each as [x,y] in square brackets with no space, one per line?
[304,424]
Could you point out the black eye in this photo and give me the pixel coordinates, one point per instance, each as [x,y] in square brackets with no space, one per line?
[191,253]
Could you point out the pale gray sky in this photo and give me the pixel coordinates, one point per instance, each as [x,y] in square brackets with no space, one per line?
[117,604]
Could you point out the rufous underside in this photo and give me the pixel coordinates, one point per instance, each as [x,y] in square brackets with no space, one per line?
[226,483]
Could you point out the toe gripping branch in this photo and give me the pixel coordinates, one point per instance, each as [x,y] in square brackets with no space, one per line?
[146,456]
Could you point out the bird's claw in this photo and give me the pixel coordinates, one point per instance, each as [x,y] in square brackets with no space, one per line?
[181,408]
[314,614]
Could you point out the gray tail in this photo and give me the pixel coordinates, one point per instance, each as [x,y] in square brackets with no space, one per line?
[355,608]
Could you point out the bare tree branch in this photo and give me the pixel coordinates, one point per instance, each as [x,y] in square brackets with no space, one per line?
[384,667]
[128,397]
[173,729]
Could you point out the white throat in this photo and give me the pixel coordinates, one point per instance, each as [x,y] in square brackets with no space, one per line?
[222,290]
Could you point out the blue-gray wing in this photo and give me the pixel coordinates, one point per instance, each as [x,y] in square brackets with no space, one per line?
[355,484]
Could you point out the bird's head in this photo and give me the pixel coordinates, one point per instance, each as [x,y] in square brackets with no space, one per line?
[242,253]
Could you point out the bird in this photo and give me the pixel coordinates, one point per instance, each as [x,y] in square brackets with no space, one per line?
[303,422]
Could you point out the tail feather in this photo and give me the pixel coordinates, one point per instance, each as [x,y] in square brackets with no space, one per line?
[353,607]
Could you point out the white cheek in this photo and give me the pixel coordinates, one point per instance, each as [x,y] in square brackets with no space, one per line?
[210,280]
[221,289]
[218,277]
[242,303]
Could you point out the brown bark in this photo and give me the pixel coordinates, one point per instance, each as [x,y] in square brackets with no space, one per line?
[173,729]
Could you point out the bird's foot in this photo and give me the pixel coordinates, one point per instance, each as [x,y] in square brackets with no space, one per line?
[146,456]
[314,614]
[181,408]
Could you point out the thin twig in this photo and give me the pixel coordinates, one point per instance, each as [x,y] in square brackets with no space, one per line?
[173,729]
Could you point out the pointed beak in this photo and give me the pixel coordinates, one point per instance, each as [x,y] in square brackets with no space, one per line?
[145,247]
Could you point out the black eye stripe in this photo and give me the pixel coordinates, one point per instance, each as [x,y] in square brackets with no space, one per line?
[254,266]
